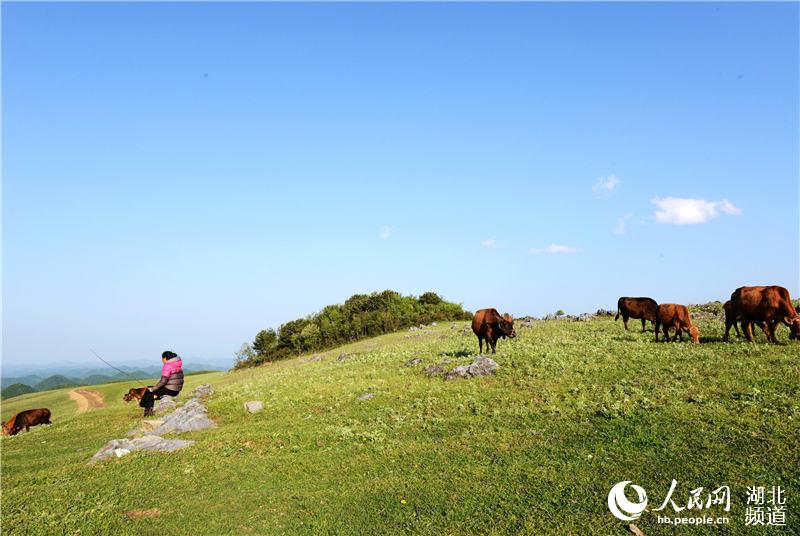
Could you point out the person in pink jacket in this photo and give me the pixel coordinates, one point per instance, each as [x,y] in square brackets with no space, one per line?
[170,384]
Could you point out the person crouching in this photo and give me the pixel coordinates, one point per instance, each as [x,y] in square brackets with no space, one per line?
[170,384]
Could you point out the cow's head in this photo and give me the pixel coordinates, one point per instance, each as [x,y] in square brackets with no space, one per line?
[794,327]
[694,333]
[507,326]
[7,427]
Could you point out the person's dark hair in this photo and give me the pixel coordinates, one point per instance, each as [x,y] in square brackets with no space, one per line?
[169,355]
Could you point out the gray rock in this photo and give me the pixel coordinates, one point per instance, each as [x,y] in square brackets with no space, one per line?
[461,371]
[315,357]
[120,447]
[412,362]
[366,396]
[164,405]
[345,357]
[189,417]
[202,391]
[254,406]
[480,366]
[583,317]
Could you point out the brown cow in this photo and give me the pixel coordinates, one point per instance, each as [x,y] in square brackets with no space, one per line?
[26,419]
[644,308]
[488,325]
[136,393]
[731,319]
[672,315]
[767,306]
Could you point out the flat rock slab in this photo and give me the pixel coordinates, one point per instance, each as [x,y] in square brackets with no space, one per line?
[120,447]
[366,396]
[202,391]
[254,406]
[412,362]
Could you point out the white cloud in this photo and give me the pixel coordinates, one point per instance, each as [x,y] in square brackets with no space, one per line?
[386,232]
[491,243]
[622,223]
[604,186]
[687,211]
[555,248]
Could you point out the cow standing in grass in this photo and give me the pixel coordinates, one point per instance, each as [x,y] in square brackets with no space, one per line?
[767,306]
[26,419]
[673,315]
[489,325]
[644,308]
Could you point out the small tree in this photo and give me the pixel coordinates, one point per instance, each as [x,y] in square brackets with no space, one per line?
[265,341]
[430,298]
[245,355]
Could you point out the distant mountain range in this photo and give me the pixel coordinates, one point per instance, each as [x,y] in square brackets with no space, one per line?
[59,378]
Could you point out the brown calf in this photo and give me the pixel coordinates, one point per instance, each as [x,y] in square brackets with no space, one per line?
[672,315]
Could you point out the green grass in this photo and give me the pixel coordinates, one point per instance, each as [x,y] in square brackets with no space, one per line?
[574,408]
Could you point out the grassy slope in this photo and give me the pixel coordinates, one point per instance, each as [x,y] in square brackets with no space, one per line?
[574,408]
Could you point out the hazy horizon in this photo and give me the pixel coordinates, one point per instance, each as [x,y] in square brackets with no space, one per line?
[182,175]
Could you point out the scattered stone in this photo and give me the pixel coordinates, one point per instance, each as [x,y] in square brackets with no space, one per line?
[482,366]
[254,406]
[366,396]
[345,357]
[604,312]
[461,371]
[412,362]
[188,418]
[434,324]
[202,391]
[583,317]
[315,357]
[636,530]
[413,328]
[435,370]
[120,447]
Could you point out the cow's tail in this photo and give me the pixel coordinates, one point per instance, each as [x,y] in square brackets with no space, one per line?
[619,306]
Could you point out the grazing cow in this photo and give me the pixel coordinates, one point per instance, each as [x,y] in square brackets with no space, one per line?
[767,306]
[135,393]
[487,324]
[672,315]
[26,419]
[731,319]
[644,308]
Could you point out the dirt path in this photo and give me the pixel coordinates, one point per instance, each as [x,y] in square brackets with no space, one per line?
[86,399]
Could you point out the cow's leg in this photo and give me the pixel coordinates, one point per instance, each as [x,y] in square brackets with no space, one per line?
[727,329]
[772,326]
[747,329]
[656,328]
[625,321]
[643,324]
[27,428]
[736,327]
[494,346]
[665,328]
[480,345]
[679,332]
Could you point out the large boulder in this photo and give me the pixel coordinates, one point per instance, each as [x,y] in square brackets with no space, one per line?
[188,418]
[482,366]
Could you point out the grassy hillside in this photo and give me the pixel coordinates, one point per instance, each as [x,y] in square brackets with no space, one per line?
[574,408]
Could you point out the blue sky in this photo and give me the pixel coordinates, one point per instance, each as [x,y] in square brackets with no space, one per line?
[182,175]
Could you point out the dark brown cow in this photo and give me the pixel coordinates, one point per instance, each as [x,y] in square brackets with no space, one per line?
[672,315]
[26,419]
[767,306]
[488,325]
[136,393]
[731,319]
[644,308]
